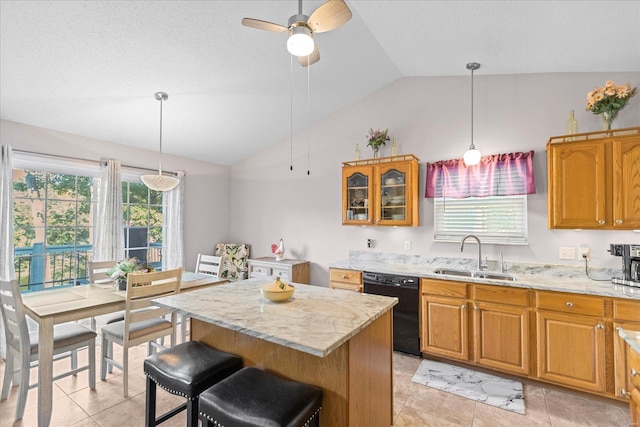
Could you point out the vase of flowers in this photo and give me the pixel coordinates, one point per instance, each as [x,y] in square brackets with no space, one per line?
[377,139]
[608,100]
[121,270]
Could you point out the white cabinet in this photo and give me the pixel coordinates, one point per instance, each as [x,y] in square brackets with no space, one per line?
[288,270]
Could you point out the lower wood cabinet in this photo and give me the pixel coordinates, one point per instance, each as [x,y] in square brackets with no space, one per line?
[571,340]
[502,328]
[562,338]
[350,280]
[633,363]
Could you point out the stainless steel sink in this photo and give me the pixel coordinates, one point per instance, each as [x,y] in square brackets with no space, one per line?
[494,275]
[452,272]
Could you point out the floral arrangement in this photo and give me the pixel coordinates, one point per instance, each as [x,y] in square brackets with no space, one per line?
[609,99]
[121,270]
[377,138]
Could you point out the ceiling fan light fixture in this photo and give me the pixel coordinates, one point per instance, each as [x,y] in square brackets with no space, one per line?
[160,182]
[300,41]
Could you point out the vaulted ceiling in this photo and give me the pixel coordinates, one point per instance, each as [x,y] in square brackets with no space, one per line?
[91,68]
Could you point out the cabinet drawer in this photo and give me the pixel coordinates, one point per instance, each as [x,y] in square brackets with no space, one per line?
[347,276]
[626,310]
[502,295]
[356,287]
[260,270]
[282,273]
[634,366]
[570,303]
[444,288]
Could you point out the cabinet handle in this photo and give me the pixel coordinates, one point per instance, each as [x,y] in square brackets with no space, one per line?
[633,372]
[623,393]
[618,221]
[569,304]
[476,308]
[344,276]
[463,306]
[601,221]
[600,326]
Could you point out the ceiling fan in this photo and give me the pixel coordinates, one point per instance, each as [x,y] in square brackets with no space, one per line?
[328,16]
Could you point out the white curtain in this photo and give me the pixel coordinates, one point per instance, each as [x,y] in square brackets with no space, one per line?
[7,271]
[109,241]
[172,234]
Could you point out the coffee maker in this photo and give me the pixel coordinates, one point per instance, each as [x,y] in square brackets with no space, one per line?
[630,264]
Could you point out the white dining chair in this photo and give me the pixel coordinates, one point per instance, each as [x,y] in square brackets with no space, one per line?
[209,264]
[205,264]
[140,326]
[22,346]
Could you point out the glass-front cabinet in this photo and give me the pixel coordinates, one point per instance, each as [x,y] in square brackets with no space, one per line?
[381,191]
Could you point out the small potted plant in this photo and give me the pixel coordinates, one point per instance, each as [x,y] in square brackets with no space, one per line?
[121,270]
[377,139]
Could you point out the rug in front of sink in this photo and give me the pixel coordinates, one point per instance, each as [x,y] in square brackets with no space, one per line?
[478,386]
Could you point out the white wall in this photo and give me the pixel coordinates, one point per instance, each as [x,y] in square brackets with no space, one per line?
[206,198]
[430,118]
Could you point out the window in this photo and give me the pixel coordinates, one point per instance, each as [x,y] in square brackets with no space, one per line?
[494,219]
[488,200]
[53,227]
[142,213]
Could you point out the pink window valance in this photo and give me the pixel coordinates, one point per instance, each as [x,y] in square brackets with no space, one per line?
[497,175]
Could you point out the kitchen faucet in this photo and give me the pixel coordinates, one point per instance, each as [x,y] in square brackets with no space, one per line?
[481,266]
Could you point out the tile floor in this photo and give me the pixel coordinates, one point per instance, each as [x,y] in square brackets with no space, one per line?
[414,404]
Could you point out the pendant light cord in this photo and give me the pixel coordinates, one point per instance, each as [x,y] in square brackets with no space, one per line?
[291,116]
[308,111]
[160,162]
[472,145]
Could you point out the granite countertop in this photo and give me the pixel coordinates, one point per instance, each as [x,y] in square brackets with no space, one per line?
[631,337]
[533,276]
[316,320]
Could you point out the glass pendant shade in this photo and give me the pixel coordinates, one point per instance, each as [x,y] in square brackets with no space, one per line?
[300,42]
[160,182]
[471,156]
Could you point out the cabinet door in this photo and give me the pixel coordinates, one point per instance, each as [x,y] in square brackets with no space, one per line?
[501,337]
[571,350]
[577,185]
[445,327]
[634,406]
[626,184]
[620,356]
[397,201]
[357,195]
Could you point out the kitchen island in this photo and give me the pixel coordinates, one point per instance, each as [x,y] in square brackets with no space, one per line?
[337,340]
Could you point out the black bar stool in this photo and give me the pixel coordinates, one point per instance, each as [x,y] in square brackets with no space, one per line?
[185,370]
[253,398]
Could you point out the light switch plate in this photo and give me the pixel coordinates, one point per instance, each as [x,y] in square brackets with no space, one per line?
[407,245]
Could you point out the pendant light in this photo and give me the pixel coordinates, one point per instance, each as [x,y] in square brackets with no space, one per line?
[472,156]
[160,182]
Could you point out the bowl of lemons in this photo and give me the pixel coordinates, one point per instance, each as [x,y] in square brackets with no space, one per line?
[277,291]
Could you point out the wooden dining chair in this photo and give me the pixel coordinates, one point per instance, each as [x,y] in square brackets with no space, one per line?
[140,326]
[209,264]
[22,346]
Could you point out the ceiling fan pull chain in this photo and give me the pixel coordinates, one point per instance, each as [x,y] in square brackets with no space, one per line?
[291,122]
[308,114]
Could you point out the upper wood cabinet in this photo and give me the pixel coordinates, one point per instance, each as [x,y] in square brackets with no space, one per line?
[381,191]
[594,180]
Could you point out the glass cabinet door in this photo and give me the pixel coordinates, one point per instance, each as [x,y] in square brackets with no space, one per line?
[393,201]
[357,196]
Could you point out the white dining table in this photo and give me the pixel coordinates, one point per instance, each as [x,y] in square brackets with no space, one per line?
[54,306]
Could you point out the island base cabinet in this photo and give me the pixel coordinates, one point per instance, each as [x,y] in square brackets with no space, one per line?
[635,407]
[356,377]
[571,350]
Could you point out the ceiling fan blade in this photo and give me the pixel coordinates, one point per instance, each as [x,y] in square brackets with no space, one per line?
[263,25]
[313,57]
[329,16]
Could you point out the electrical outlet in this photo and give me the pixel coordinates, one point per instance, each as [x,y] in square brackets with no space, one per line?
[407,245]
[585,253]
[567,253]
[369,243]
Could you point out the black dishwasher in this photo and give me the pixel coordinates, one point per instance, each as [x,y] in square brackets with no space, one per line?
[406,332]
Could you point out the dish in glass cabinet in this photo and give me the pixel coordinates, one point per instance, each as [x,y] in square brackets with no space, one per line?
[358,196]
